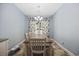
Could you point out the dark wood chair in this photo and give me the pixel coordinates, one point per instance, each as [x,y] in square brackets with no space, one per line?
[38,46]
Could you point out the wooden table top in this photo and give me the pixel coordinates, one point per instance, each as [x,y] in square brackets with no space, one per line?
[39,36]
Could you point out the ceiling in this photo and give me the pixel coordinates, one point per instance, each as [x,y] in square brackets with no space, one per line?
[38,9]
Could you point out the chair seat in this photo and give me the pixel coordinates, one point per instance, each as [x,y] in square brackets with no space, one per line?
[38,52]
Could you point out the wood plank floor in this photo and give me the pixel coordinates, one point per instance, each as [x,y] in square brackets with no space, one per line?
[57,51]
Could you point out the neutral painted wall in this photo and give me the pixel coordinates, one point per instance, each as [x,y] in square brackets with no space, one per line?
[12,24]
[66,26]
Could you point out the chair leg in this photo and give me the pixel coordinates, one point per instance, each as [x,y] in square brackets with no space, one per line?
[44,54]
[31,54]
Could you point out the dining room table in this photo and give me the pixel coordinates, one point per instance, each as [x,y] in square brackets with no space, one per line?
[38,36]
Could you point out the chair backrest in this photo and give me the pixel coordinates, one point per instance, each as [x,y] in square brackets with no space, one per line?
[38,44]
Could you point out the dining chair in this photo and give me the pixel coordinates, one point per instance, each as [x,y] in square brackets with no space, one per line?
[38,46]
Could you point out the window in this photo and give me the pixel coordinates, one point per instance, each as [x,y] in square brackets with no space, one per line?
[39,26]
